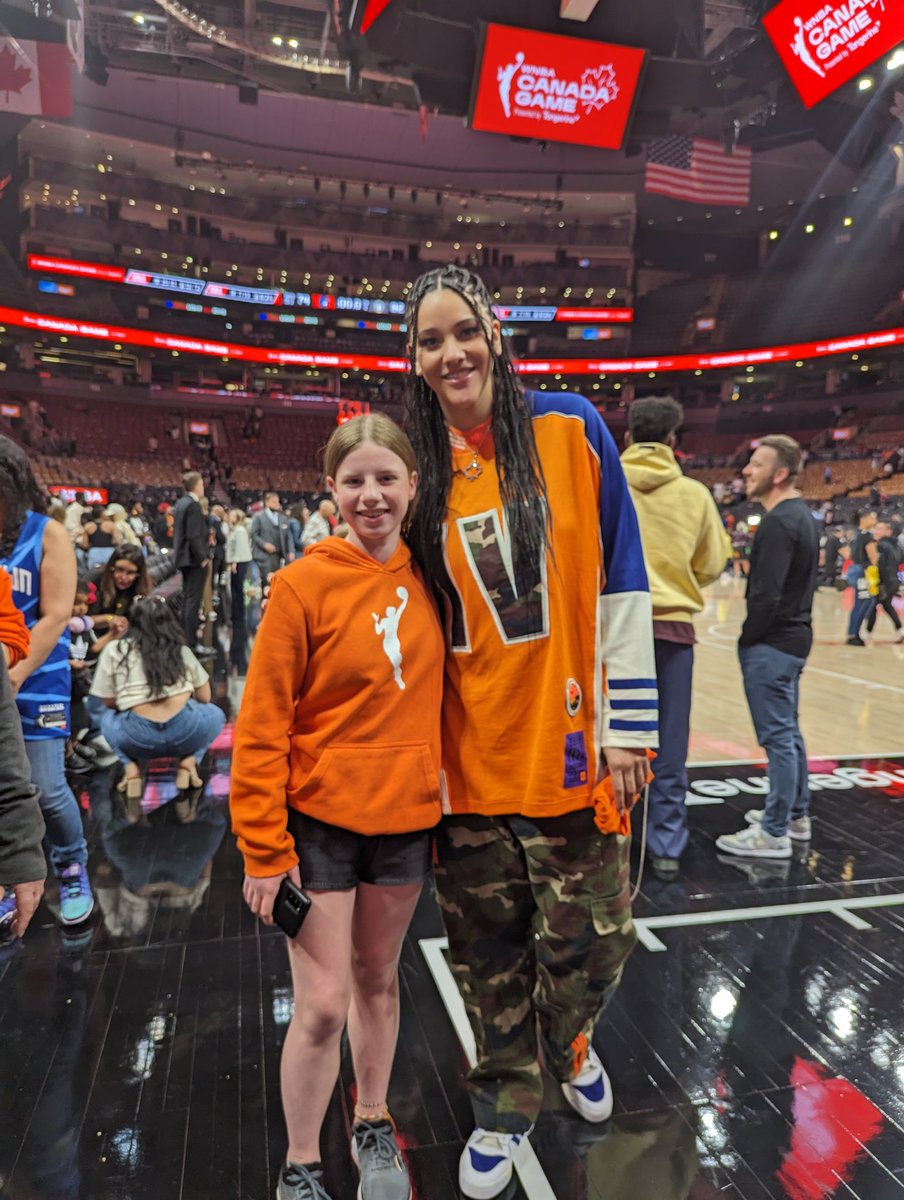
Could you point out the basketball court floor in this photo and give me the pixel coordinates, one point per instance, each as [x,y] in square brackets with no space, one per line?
[756,1046]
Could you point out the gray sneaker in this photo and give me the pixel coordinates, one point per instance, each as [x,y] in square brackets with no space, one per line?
[300,1183]
[798,827]
[754,842]
[377,1156]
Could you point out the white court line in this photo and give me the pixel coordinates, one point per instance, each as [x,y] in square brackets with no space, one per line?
[527,1166]
[837,908]
[727,642]
[811,758]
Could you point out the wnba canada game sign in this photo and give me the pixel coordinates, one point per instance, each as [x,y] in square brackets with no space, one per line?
[565,89]
[823,45]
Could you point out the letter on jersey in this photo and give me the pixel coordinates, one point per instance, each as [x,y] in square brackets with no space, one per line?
[519,608]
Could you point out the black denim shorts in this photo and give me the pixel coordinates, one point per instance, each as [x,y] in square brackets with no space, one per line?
[332,859]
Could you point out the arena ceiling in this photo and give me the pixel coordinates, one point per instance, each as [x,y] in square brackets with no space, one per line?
[260,85]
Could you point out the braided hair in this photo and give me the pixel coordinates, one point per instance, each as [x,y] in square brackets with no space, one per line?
[522,486]
[19,494]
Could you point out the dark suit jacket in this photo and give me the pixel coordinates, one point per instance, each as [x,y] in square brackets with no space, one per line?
[191,545]
[263,530]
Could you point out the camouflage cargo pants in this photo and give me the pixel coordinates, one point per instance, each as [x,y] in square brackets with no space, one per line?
[539,921]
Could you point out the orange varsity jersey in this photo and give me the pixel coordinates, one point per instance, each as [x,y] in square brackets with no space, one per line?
[543,671]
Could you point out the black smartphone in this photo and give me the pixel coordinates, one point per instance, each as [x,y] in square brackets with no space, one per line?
[290,907]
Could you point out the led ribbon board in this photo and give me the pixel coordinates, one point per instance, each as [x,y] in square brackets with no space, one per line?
[557,89]
[99,331]
[823,45]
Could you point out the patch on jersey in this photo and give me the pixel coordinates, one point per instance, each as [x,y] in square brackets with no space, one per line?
[51,716]
[574,697]
[575,760]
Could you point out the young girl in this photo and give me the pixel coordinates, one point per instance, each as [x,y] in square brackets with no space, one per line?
[526,525]
[335,783]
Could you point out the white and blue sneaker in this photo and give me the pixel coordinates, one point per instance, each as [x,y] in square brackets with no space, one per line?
[76,897]
[487,1163]
[589,1092]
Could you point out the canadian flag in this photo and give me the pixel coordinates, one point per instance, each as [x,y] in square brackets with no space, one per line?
[35,78]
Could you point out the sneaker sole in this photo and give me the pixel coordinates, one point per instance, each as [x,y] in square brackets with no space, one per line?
[605,1112]
[77,920]
[486,1193]
[754,853]
[795,837]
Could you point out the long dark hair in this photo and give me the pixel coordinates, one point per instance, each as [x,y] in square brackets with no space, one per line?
[156,636]
[522,486]
[142,582]
[19,493]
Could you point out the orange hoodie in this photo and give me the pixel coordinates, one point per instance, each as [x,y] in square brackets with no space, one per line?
[341,712]
[13,631]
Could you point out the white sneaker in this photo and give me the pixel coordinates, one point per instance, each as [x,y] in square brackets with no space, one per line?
[590,1092]
[799,828]
[754,842]
[487,1163]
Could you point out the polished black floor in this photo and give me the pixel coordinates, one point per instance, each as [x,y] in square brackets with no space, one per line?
[754,1055]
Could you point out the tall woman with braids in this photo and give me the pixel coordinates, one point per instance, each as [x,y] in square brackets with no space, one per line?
[526,529]
[39,557]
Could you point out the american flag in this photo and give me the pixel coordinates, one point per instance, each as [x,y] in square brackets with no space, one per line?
[697,170]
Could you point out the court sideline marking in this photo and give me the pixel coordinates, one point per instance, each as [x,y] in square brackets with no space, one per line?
[527,1166]
[725,642]
[837,908]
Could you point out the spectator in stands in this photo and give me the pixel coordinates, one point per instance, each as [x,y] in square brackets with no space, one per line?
[157,703]
[775,641]
[238,556]
[99,538]
[685,548]
[299,515]
[22,864]
[889,583]
[271,538]
[191,548]
[139,522]
[320,524]
[120,518]
[124,577]
[162,527]
[864,553]
[737,489]
[39,557]
[73,521]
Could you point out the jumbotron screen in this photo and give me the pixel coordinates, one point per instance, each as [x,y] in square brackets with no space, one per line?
[554,88]
[823,45]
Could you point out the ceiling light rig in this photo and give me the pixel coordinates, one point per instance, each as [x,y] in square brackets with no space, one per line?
[270,53]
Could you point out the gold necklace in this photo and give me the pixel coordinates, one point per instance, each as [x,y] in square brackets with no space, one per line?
[474,469]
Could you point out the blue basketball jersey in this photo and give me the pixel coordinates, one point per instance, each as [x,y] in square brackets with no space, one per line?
[43,699]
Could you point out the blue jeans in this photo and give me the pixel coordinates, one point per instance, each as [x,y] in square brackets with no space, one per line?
[65,837]
[191,731]
[863,601]
[772,684]
[667,825]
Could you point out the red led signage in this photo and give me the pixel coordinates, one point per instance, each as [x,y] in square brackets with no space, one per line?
[558,89]
[71,266]
[370,362]
[823,45]
[370,10]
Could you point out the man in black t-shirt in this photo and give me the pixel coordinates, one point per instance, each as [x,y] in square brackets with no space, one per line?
[864,553]
[773,647]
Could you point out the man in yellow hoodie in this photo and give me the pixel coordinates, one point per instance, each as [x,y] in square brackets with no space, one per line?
[685,547]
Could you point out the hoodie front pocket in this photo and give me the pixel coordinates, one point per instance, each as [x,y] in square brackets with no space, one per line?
[374,789]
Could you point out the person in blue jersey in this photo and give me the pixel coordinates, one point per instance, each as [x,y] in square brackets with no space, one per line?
[39,557]
[526,529]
